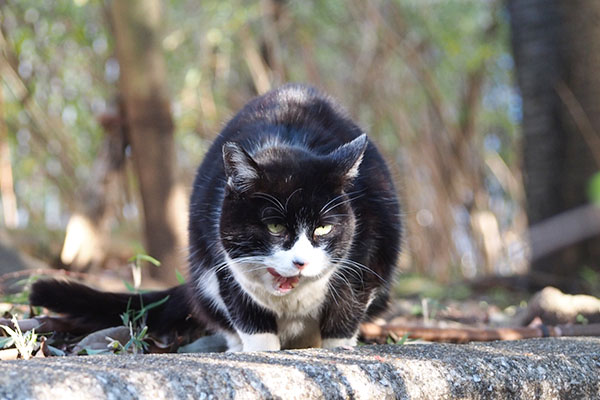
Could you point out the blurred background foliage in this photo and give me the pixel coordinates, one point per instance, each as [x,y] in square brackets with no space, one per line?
[431,82]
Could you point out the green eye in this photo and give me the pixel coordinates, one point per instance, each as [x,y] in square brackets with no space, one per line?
[275,229]
[323,230]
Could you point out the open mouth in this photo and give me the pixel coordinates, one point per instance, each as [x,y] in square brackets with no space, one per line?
[285,283]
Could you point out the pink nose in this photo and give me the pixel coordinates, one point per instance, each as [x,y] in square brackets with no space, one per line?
[300,264]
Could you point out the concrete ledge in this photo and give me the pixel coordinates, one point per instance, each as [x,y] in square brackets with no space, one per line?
[565,368]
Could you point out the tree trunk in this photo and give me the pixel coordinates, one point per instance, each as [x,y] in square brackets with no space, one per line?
[143,86]
[556,45]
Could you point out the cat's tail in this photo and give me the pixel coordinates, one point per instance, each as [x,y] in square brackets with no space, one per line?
[87,310]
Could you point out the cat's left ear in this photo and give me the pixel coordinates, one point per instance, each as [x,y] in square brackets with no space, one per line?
[349,156]
[240,169]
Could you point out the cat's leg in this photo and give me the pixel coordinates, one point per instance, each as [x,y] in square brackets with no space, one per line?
[240,341]
[257,332]
[341,318]
[255,326]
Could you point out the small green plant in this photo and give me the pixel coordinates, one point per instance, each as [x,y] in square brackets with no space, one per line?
[6,342]
[591,278]
[594,189]
[135,320]
[135,345]
[19,297]
[393,339]
[26,343]
[428,309]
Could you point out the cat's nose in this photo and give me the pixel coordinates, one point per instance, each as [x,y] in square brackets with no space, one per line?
[300,264]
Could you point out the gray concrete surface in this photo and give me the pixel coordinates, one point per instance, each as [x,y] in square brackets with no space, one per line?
[566,368]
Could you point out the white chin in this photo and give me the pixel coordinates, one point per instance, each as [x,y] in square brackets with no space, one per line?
[276,292]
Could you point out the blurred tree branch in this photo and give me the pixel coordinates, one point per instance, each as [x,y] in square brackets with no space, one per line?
[7,191]
[256,65]
[446,146]
[584,125]
[44,127]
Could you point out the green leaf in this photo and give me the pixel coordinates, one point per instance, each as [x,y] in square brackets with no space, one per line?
[129,286]
[126,316]
[142,334]
[6,342]
[180,277]
[56,352]
[91,352]
[129,342]
[594,189]
[10,331]
[145,257]
[402,339]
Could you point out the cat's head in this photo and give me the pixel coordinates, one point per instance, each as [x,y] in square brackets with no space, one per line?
[286,217]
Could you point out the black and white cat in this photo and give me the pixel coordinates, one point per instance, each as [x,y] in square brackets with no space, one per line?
[294,233]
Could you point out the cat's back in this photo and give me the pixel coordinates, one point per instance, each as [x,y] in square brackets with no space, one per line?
[294,114]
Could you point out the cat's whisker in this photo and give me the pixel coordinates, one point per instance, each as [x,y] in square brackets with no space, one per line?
[347,283]
[351,263]
[258,263]
[331,201]
[258,268]
[325,210]
[272,199]
[355,271]
[336,215]
[238,260]
[333,292]
[351,269]
[249,260]
[365,268]
[221,267]
[289,197]
[277,210]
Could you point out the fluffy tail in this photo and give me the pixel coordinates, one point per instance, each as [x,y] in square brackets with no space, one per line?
[87,310]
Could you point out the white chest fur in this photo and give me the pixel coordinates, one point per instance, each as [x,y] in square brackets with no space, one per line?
[297,312]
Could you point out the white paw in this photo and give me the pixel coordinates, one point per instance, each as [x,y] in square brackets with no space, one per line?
[346,343]
[260,342]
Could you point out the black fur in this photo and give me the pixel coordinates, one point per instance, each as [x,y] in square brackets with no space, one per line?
[91,310]
[298,147]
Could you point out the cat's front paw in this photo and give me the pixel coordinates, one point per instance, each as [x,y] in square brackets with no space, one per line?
[260,342]
[331,343]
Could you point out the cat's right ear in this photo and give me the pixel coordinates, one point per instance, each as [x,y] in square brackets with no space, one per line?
[349,156]
[240,169]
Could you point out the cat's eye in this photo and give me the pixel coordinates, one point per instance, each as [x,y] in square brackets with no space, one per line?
[275,229]
[323,230]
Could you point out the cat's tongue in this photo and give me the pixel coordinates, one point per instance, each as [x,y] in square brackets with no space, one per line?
[285,283]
